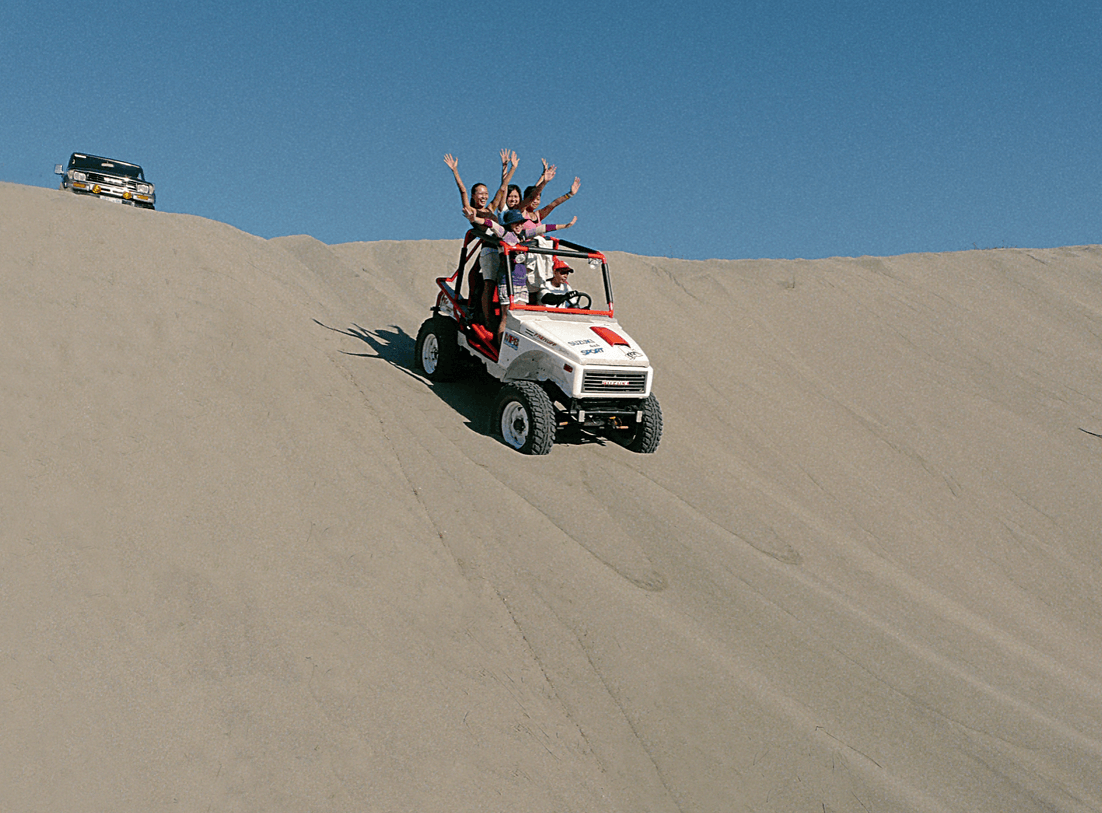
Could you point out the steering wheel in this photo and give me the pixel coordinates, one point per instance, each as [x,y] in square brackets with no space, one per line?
[575,297]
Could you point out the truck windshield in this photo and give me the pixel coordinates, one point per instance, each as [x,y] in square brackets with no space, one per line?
[97,164]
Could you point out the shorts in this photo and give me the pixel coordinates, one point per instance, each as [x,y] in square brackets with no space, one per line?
[520,292]
[489,261]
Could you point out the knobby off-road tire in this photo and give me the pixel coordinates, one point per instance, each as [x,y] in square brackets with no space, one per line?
[647,433]
[524,416]
[436,353]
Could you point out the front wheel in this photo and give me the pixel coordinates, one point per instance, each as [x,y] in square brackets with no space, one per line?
[525,417]
[437,349]
[645,434]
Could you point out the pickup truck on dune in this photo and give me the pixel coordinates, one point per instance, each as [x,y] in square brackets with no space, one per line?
[107,179]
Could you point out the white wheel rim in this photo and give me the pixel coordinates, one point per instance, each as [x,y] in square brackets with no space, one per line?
[514,424]
[430,353]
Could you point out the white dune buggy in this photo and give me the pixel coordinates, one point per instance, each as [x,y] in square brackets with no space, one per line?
[562,366]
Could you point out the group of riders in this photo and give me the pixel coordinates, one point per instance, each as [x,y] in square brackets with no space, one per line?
[514,217]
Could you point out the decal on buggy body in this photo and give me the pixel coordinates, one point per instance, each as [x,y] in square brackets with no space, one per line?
[593,350]
[511,340]
[539,337]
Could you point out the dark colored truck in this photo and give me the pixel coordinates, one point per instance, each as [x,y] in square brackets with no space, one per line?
[108,179]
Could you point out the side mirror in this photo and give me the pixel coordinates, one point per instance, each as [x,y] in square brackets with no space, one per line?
[59,169]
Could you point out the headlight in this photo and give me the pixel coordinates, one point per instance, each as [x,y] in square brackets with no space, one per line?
[79,176]
[144,189]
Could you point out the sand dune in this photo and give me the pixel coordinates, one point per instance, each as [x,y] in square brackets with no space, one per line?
[252,561]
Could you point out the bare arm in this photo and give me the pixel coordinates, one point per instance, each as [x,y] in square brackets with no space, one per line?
[507,171]
[472,215]
[547,174]
[546,210]
[543,228]
[454,164]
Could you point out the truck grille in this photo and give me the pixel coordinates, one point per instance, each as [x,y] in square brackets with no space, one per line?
[110,180]
[596,381]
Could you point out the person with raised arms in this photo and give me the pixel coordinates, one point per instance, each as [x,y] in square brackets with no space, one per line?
[480,194]
[486,209]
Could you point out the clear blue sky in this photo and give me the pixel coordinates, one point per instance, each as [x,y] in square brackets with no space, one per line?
[779,128]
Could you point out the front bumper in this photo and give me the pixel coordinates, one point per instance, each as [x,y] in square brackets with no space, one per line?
[108,191]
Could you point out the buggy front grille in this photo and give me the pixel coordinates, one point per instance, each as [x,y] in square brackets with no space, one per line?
[607,382]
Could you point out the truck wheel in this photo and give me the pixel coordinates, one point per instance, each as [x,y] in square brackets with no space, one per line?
[437,350]
[523,414]
[645,434]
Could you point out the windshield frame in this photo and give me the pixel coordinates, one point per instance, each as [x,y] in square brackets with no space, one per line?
[562,248]
[108,166]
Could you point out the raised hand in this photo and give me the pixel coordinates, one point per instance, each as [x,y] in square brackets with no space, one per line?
[451,162]
[574,186]
[504,158]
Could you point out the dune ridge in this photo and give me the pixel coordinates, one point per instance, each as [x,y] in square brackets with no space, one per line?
[253,561]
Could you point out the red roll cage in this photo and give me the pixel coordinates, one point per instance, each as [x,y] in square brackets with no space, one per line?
[468,269]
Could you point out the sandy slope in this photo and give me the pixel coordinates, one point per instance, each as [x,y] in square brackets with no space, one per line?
[251,561]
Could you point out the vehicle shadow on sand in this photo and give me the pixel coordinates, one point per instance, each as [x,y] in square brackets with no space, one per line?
[472,396]
[393,346]
[574,435]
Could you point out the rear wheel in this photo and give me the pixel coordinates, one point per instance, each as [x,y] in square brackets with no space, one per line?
[645,434]
[437,350]
[525,417]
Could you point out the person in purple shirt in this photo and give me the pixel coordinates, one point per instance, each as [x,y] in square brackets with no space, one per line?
[515,230]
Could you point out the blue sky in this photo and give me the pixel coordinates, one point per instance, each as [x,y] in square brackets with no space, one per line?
[722,129]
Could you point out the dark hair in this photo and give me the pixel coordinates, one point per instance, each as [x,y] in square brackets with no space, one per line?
[475,187]
[528,191]
[514,188]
